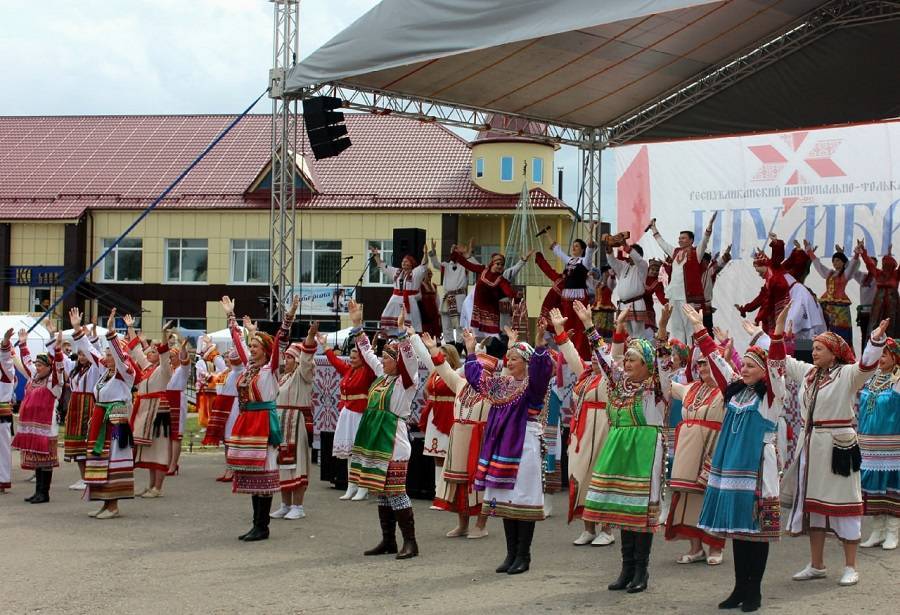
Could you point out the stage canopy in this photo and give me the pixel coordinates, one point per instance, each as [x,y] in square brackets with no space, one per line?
[591,64]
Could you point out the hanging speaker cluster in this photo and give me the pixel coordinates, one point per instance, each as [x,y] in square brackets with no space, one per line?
[325,126]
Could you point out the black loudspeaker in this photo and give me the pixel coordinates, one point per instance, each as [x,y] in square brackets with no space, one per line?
[409,241]
[325,126]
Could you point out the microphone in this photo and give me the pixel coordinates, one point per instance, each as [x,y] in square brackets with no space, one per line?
[348,258]
[543,231]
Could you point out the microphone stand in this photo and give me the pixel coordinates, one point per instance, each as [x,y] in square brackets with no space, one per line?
[337,296]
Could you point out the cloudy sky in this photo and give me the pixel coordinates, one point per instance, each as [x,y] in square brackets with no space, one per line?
[160,56]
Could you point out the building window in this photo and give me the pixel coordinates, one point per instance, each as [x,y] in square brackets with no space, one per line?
[103,316]
[479,167]
[375,275]
[123,264]
[506,168]
[249,261]
[320,261]
[186,260]
[537,170]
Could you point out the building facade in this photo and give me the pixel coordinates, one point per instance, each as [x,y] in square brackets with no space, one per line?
[70,186]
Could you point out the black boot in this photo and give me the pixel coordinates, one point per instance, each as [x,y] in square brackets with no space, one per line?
[37,485]
[626,542]
[407,523]
[523,548]
[642,543]
[740,576]
[255,500]
[511,529]
[388,542]
[260,529]
[42,492]
[756,567]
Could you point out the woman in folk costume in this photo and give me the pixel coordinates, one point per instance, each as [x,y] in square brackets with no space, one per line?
[490,287]
[776,290]
[679,355]
[695,440]
[7,397]
[470,411]
[38,430]
[824,479]
[886,303]
[879,444]
[294,407]
[181,371]
[589,427]
[252,449]
[559,404]
[741,501]
[633,454]
[577,264]
[407,281]
[429,306]
[382,448]
[436,418]
[509,465]
[455,280]
[151,419]
[83,374]
[356,378]
[209,364]
[834,301]
[109,468]
[603,309]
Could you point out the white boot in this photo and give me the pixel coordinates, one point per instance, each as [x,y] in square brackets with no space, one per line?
[877,535]
[438,483]
[361,494]
[892,528]
[350,492]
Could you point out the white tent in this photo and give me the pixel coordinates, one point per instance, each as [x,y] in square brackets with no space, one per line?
[37,339]
[572,62]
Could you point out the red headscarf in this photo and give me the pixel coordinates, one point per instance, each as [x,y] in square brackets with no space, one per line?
[838,347]
[266,341]
[893,346]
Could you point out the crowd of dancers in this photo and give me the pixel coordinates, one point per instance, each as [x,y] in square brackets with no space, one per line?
[670,426]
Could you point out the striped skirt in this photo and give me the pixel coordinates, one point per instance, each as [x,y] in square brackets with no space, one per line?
[81,405]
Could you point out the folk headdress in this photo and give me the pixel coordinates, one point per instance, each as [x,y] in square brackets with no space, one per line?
[838,347]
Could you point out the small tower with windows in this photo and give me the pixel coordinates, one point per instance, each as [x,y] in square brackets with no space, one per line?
[501,161]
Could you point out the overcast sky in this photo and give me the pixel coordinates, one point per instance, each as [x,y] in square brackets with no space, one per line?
[63,57]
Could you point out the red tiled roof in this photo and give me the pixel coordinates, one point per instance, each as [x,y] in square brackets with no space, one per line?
[56,167]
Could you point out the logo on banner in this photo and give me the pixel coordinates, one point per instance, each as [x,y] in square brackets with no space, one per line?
[788,159]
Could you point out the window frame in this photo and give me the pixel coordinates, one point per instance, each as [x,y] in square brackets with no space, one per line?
[535,163]
[312,252]
[479,167]
[373,266]
[115,256]
[181,249]
[512,168]
[246,250]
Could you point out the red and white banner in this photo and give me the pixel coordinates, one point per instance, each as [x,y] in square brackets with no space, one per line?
[828,186]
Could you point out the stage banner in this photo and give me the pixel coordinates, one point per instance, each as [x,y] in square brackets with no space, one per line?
[829,186]
[321,300]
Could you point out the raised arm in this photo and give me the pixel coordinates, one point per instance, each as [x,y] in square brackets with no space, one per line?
[284,333]
[408,364]
[511,272]
[25,355]
[664,245]
[6,358]
[552,274]
[565,345]
[862,370]
[467,264]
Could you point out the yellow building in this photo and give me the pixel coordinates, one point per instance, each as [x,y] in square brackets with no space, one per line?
[75,184]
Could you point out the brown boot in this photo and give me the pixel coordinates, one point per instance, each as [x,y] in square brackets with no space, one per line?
[408,528]
[388,542]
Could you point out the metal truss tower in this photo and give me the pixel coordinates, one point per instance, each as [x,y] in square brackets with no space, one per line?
[283,207]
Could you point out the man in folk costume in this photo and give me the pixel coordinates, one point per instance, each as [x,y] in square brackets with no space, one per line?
[631,277]
[151,419]
[181,371]
[455,280]
[824,479]
[209,364]
[685,282]
[407,281]
[38,431]
[775,292]
[886,302]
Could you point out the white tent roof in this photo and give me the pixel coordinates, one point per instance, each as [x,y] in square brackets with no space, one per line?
[576,62]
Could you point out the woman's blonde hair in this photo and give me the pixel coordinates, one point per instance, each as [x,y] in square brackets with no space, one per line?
[452,355]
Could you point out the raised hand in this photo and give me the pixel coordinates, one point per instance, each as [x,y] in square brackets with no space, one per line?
[429,342]
[694,316]
[75,318]
[49,326]
[23,336]
[622,318]
[529,255]
[128,319]
[665,314]
[781,319]
[721,334]
[469,340]
[726,255]
[880,332]
[401,319]
[838,248]
[227,304]
[751,328]
[322,340]
[584,314]
[540,339]
[512,334]
[168,326]
[7,336]
[709,227]
[111,321]
[355,311]
[558,320]
[311,334]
